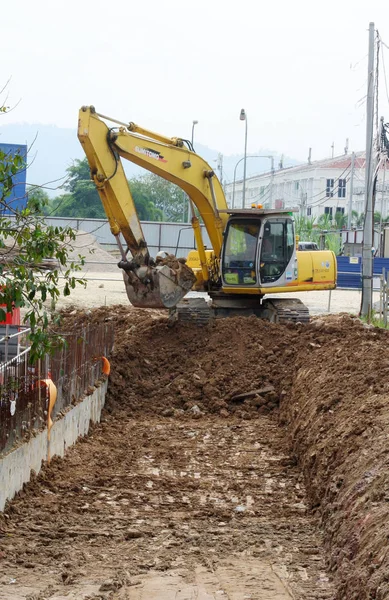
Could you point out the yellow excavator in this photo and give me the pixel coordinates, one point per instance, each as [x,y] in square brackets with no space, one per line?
[254,251]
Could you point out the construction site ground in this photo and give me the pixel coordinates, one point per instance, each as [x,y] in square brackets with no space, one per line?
[244,460]
[105,283]
[105,288]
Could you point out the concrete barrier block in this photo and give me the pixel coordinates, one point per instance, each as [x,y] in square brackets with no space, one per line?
[16,466]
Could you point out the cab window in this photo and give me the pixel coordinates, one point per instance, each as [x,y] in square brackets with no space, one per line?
[276,248]
[240,253]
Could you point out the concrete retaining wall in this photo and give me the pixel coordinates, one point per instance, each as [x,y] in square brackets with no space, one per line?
[15,467]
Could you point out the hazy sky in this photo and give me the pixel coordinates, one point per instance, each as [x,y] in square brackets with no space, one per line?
[297,67]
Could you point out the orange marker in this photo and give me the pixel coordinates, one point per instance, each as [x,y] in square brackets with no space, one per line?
[106,365]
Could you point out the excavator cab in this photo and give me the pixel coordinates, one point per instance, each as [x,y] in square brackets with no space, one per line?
[258,251]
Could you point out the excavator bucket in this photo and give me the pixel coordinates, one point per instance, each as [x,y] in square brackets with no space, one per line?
[160,286]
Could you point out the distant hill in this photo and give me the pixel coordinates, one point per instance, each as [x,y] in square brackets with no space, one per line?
[53,149]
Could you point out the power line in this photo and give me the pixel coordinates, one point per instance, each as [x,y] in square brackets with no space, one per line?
[326,198]
[384,70]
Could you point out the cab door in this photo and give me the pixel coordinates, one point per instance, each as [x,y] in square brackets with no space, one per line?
[277,263]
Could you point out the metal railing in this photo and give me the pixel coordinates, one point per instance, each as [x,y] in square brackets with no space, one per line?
[75,369]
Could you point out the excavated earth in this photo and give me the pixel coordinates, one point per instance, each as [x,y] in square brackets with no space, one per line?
[243,460]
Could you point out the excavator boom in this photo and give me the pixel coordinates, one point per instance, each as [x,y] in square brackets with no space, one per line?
[149,283]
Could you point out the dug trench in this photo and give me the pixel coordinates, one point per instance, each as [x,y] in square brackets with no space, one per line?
[244,460]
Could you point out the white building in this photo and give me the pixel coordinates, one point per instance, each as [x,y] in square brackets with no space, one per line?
[316,188]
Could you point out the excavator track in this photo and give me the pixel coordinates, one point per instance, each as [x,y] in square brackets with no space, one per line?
[192,310]
[288,310]
[277,310]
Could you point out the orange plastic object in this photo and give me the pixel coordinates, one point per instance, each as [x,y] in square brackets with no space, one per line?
[52,398]
[11,318]
[106,365]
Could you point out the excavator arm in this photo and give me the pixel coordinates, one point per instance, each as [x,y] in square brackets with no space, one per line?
[148,283]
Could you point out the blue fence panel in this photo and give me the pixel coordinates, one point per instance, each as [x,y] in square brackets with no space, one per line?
[17,198]
[350,273]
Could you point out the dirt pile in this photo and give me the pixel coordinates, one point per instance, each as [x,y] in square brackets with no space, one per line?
[227,369]
[331,380]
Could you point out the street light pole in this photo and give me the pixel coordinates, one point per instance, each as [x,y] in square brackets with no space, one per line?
[244,158]
[191,212]
[243,117]
[193,126]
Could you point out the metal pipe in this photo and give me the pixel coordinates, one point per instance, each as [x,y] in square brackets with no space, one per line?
[243,117]
[193,126]
[213,195]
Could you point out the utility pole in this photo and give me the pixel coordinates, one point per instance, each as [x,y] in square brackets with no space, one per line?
[367,258]
[351,192]
[382,149]
[304,197]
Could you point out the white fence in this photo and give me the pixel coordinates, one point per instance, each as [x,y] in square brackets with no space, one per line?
[159,236]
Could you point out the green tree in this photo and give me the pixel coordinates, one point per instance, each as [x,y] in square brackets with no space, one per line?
[26,243]
[167,197]
[145,207]
[339,220]
[358,219]
[333,242]
[305,228]
[82,200]
[325,221]
[36,194]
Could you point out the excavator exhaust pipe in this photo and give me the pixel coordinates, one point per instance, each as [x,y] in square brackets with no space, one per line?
[160,286]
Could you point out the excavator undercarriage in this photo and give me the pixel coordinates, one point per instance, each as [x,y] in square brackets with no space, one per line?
[202,311]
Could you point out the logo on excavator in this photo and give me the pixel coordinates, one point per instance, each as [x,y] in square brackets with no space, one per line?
[150,153]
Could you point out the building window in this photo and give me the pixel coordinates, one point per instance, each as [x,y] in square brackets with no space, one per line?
[328,210]
[296,186]
[341,188]
[340,209]
[309,211]
[330,188]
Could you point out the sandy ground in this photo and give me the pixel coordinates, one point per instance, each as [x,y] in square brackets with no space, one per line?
[105,285]
[105,288]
